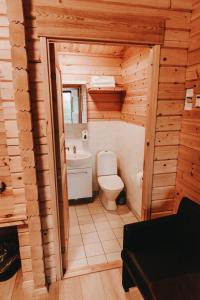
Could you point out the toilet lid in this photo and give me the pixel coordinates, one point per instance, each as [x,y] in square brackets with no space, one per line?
[111,182]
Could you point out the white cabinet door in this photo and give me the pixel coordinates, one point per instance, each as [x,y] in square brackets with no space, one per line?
[79,183]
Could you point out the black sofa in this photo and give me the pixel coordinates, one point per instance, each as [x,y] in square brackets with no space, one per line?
[162,256]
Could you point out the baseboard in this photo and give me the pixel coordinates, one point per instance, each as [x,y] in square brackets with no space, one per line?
[93,269]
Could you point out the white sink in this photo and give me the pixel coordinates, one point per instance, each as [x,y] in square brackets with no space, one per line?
[80,159]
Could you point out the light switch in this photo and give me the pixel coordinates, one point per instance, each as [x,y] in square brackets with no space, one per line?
[197,101]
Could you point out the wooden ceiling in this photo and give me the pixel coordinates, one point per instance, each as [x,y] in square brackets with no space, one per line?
[92,49]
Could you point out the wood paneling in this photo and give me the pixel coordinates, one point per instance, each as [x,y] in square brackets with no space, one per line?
[171,87]
[13,208]
[71,22]
[171,82]
[171,96]
[135,80]
[188,181]
[77,67]
[32,264]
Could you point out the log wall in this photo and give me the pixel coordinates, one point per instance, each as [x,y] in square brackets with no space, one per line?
[78,68]
[18,124]
[171,94]
[188,179]
[12,200]
[135,75]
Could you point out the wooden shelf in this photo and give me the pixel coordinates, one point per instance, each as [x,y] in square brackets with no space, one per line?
[106,90]
[13,221]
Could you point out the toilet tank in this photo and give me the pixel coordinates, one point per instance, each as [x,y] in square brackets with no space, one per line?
[106,163]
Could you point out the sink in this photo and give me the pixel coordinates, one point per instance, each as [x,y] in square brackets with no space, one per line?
[80,159]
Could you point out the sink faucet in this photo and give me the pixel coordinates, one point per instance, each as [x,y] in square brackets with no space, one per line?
[74,149]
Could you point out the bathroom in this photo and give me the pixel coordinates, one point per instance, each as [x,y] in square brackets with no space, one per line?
[105,103]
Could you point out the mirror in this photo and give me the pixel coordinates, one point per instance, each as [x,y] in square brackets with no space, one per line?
[74,104]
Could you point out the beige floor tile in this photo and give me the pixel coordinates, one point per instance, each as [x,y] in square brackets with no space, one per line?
[75,253]
[116,223]
[113,256]
[86,228]
[87,219]
[73,230]
[73,264]
[82,211]
[106,235]
[72,209]
[93,249]
[122,209]
[118,232]
[111,246]
[129,220]
[73,220]
[96,210]
[127,215]
[112,215]
[102,225]
[99,259]
[90,238]
[99,218]
[94,205]
[75,240]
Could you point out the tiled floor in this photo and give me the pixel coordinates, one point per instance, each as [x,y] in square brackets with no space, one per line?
[95,234]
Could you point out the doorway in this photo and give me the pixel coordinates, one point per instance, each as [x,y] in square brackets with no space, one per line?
[57,143]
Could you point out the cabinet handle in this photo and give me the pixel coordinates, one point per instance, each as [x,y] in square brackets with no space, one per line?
[2,186]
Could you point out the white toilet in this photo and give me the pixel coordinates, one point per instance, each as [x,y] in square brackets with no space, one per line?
[109,182]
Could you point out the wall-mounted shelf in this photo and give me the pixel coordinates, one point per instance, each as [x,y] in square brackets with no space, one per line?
[106,90]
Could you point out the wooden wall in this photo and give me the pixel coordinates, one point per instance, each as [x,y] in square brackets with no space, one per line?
[39,122]
[171,92]
[78,68]
[12,200]
[135,75]
[188,176]
[19,139]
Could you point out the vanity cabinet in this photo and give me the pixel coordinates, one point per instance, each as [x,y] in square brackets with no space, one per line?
[79,182]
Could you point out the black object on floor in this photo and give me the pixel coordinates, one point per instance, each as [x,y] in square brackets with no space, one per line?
[9,254]
[162,256]
[121,199]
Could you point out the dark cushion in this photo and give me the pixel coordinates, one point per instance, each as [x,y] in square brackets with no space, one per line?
[161,261]
[163,255]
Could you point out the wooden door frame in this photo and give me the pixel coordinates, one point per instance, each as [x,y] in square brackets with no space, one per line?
[149,137]
[45,57]
[150,132]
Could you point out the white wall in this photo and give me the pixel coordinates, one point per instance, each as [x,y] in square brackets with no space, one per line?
[130,152]
[126,139]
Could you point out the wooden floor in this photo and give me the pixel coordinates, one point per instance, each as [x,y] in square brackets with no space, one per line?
[105,285]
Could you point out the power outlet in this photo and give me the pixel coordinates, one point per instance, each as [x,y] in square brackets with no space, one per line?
[197,101]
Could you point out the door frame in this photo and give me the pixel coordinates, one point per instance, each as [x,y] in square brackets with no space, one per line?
[150,129]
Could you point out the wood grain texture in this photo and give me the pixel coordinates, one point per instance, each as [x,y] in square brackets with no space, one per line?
[107,283]
[187,183]
[171,88]
[73,22]
[83,61]
[25,163]
[135,77]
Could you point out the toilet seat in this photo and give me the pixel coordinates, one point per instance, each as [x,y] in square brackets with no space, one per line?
[110,182]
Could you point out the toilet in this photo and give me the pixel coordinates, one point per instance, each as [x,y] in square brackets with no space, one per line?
[109,182]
